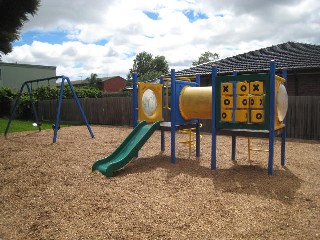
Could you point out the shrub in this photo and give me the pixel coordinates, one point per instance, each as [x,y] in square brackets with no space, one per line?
[24,111]
[88,92]
[45,93]
[6,99]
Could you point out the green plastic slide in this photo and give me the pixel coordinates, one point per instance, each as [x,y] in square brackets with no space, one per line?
[127,150]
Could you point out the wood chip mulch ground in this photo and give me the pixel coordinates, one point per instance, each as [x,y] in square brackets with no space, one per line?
[47,191]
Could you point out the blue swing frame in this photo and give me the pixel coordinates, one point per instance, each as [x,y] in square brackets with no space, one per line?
[56,127]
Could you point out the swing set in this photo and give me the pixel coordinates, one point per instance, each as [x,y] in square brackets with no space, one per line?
[28,85]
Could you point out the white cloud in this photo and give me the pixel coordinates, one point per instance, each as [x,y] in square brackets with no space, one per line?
[231,27]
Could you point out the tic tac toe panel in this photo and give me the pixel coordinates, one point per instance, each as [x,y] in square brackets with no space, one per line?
[243,88]
[226,115]
[256,88]
[256,102]
[242,101]
[226,88]
[226,102]
[248,96]
[241,116]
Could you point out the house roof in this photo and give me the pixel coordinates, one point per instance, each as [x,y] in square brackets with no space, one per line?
[110,78]
[294,56]
[86,81]
[27,65]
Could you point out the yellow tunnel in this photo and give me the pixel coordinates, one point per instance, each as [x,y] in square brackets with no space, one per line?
[196,102]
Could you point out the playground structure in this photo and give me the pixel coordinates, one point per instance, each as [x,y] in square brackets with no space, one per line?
[28,85]
[251,105]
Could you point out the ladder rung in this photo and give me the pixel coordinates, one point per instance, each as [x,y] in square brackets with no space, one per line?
[259,150]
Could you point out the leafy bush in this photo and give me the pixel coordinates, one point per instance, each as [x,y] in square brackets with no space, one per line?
[88,92]
[6,99]
[24,110]
[45,93]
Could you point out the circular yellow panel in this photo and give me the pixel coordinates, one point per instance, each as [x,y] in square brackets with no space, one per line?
[149,102]
[282,102]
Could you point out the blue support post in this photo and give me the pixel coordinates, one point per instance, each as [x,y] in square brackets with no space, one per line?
[234,140]
[56,128]
[213,120]
[55,131]
[234,144]
[173,116]
[135,99]
[14,109]
[79,106]
[271,118]
[162,130]
[284,130]
[198,124]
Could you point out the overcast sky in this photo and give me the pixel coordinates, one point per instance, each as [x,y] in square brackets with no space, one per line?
[103,36]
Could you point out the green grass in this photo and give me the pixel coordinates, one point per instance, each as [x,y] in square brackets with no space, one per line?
[24,125]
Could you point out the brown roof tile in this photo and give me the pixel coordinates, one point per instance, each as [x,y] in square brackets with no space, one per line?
[291,55]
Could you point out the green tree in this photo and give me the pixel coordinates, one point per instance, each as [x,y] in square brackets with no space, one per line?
[148,67]
[6,98]
[206,57]
[94,81]
[13,14]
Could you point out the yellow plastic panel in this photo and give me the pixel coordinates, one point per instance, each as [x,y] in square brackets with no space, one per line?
[242,88]
[256,102]
[242,102]
[281,102]
[226,88]
[241,115]
[149,102]
[256,88]
[280,79]
[226,102]
[257,116]
[226,115]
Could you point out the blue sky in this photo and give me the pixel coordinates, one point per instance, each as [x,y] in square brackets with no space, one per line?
[82,37]
[54,37]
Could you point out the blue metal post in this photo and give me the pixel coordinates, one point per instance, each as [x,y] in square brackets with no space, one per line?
[14,109]
[59,108]
[55,131]
[135,99]
[198,124]
[234,140]
[213,120]
[79,105]
[162,130]
[284,130]
[271,114]
[173,116]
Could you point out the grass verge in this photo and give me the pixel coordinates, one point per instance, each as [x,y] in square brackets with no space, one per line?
[24,125]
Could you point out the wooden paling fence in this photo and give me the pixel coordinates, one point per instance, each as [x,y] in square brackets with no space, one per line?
[105,111]
[303,117]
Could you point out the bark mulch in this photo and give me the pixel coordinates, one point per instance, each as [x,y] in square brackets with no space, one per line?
[47,191]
